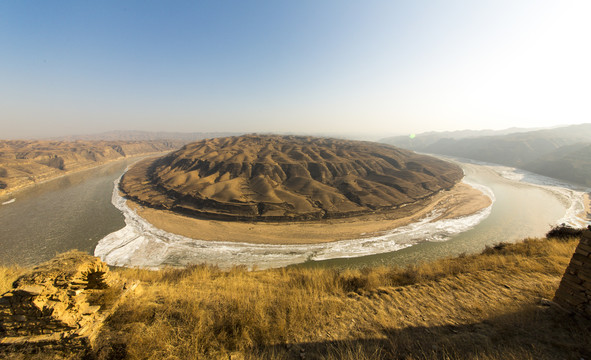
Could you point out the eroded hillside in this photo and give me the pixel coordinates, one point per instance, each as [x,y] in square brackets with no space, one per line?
[287,177]
[25,162]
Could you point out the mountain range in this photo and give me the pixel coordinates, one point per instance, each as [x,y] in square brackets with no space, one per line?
[563,153]
[137,135]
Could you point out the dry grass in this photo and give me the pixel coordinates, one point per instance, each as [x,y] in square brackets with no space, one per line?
[484,306]
[480,306]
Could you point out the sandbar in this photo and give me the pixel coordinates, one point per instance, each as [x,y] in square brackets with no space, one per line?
[461,200]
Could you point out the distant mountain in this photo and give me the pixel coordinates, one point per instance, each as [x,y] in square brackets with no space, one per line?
[558,152]
[571,163]
[420,141]
[135,135]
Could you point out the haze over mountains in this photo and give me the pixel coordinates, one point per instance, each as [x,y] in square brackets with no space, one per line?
[563,153]
[137,135]
[186,137]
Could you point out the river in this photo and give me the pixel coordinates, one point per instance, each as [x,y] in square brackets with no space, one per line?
[525,205]
[70,212]
[77,212]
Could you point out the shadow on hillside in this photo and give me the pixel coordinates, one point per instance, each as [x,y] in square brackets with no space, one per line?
[537,333]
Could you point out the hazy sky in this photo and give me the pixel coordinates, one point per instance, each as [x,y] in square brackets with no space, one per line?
[371,67]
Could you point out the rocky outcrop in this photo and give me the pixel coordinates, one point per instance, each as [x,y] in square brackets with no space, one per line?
[59,304]
[574,292]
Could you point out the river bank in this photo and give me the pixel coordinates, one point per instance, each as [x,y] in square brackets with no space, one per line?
[47,177]
[462,200]
[140,243]
[69,212]
[77,212]
[27,163]
[519,210]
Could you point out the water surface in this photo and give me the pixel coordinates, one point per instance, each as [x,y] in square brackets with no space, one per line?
[77,212]
[70,212]
[526,205]
[519,210]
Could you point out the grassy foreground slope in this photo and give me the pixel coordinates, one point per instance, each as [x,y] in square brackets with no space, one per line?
[485,306]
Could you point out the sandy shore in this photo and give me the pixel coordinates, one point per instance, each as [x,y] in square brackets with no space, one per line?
[462,200]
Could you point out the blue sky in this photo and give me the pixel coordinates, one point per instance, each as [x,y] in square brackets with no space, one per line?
[347,67]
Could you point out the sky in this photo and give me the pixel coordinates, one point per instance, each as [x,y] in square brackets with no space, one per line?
[343,67]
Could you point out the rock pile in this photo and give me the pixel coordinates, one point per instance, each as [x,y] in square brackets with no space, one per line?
[58,303]
[574,292]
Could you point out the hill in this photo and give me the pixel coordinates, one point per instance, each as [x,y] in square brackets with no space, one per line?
[551,152]
[422,140]
[26,162]
[287,178]
[571,163]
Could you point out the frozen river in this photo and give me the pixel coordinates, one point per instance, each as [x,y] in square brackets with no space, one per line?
[82,211]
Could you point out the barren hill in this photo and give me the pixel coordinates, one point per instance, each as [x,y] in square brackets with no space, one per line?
[26,162]
[271,177]
[514,149]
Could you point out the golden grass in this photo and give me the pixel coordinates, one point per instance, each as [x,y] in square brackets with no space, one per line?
[484,306]
[479,306]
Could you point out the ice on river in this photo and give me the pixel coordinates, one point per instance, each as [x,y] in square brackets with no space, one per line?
[141,244]
[570,195]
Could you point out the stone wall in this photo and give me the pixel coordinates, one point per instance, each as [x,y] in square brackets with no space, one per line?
[574,292]
[59,304]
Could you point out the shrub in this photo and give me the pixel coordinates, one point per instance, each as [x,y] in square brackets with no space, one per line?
[496,248]
[564,231]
